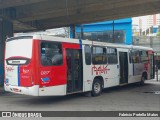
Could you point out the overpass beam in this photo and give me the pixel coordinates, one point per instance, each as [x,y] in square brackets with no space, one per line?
[6,30]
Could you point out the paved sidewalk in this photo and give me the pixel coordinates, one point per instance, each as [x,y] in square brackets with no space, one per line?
[158,75]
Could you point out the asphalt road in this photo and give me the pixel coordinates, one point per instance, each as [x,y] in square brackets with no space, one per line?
[124,98]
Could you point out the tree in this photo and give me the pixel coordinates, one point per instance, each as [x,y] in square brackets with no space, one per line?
[158,34]
[158,31]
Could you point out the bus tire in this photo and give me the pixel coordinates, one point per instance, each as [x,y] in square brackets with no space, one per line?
[96,88]
[142,82]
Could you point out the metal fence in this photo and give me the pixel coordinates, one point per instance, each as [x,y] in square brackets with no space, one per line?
[148,41]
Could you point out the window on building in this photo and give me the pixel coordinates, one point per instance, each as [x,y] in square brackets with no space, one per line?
[112,55]
[105,36]
[87,50]
[100,36]
[51,54]
[78,35]
[110,34]
[119,36]
[99,55]
[87,36]
[94,36]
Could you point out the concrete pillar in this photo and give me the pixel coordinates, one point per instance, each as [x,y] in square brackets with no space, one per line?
[72,31]
[6,30]
[82,32]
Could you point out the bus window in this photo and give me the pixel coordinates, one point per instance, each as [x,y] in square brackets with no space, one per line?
[112,55]
[99,55]
[87,50]
[51,54]
[143,56]
[135,56]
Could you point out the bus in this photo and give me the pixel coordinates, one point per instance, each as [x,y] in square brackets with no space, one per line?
[42,65]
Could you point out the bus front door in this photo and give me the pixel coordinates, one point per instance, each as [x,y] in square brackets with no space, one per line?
[123,62]
[74,70]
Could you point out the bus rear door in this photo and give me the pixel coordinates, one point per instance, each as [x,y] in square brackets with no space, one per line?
[74,68]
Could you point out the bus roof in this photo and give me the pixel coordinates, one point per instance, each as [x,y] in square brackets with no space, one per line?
[45,37]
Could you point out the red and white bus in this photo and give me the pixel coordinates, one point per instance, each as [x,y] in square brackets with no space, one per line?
[42,65]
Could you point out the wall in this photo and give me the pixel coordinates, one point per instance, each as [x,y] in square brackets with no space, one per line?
[148,41]
[122,24]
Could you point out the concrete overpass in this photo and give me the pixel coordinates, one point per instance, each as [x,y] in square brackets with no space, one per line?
[29,15]
[32,15]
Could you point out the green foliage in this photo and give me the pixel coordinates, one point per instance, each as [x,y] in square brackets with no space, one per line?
[158,34]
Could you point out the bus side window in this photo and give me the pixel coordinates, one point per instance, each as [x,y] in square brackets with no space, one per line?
[143,56]
[135,56]
[51,54]
[99,55]
[112,55]
[87,51]
[45,59]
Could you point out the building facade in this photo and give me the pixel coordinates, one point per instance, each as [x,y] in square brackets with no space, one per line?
[153,20]
[117,31]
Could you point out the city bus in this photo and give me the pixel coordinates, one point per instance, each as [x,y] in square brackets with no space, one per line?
[42,65]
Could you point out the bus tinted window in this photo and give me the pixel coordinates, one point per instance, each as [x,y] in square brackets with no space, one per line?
[87,50]
[99,55]
[135,56]
[143,56]
[51,54]
[112,55]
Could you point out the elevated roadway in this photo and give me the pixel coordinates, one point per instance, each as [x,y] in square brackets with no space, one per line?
[28,15]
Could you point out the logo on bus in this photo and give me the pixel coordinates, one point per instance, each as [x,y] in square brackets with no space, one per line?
[45,72]
[100,69]
[10,69]
[25,71]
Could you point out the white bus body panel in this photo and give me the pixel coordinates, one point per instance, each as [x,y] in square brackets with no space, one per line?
[87,74]
[112,76]
[33,91]
[36,91]
[137,72]
[16,48]
[53,91]
[19,48]
[12,75]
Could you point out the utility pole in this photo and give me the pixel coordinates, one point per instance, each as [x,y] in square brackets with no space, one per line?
[113,32]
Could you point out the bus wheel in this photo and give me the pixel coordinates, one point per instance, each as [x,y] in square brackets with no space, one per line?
[142,80]
[96,88]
